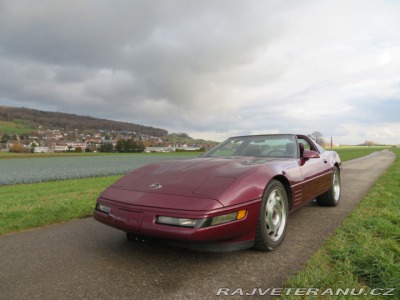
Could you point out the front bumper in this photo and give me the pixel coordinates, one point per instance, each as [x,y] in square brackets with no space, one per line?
[141,221]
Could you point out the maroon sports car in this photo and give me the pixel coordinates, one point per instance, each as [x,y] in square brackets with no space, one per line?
[235,196]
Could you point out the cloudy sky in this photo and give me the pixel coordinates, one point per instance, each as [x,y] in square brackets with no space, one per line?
[211,69]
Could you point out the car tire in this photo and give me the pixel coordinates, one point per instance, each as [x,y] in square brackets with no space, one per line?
[332,196]
[273,217]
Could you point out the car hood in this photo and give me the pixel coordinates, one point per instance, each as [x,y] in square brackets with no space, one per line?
[202,177]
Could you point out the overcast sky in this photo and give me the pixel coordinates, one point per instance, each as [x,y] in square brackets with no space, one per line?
[212,69]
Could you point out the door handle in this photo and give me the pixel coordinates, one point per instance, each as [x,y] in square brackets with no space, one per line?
[325,161]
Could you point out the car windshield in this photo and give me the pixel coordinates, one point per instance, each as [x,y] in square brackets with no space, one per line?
[258,146]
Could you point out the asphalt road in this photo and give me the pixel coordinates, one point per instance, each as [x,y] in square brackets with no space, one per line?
[83,259]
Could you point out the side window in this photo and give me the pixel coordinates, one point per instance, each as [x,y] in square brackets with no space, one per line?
[305,143]
[308,145]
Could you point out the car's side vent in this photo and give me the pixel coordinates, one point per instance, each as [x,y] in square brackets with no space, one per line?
[297,196]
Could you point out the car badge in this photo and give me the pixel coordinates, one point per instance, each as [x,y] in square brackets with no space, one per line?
[155,186]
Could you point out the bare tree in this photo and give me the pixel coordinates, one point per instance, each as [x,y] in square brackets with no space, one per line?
[369,143]
[318,138]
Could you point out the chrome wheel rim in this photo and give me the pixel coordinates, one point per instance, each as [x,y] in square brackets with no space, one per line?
[275,214]
[336,186]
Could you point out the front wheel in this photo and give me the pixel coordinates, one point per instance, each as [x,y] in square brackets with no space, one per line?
[332,196]
[272,220]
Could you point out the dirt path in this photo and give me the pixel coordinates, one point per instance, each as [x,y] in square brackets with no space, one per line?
[83,259]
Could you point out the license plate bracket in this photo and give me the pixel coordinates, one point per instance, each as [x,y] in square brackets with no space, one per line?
[130,220]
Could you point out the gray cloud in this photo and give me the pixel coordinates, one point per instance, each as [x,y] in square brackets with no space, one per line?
[210,68]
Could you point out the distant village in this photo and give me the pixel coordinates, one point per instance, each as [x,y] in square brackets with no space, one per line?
[56,140]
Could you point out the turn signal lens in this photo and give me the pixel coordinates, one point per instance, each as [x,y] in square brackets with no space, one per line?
[241,214]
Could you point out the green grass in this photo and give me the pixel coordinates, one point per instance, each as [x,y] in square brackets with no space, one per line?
[365,251]
[351,152]
[32,205]
[15,127]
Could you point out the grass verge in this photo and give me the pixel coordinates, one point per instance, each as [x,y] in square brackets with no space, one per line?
[351,152]
[26,206]
[364,252]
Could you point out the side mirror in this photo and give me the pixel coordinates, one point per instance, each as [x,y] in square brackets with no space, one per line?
[310,154]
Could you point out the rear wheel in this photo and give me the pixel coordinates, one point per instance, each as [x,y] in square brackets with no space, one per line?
[332,196]
[272,220]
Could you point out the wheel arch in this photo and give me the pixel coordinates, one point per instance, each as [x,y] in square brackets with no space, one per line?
[282,179]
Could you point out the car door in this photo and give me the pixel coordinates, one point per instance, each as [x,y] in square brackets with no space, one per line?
[316,171]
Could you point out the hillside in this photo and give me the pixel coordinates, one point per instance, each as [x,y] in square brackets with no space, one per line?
[24,118]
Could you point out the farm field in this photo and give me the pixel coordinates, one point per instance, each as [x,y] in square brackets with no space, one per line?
[27,170]
[12,155]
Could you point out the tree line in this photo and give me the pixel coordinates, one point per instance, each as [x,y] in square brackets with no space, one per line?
[123,146]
